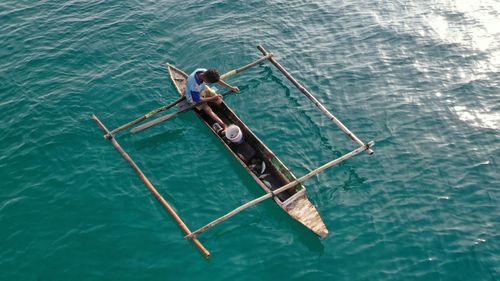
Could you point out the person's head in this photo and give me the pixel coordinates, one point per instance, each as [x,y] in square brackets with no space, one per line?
[211,75]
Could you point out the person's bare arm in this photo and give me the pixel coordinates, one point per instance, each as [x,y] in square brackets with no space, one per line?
[234,89]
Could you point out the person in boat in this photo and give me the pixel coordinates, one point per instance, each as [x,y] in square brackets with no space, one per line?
[197,90]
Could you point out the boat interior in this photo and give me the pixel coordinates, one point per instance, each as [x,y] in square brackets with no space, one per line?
[252,152]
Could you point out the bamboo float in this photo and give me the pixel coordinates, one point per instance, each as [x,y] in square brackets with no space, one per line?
[271,194]
[151,188]
[314,100]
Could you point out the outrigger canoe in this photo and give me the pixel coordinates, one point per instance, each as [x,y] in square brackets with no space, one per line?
[268,171]
[260,162]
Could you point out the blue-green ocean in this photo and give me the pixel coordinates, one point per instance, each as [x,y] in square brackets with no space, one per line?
[420,78]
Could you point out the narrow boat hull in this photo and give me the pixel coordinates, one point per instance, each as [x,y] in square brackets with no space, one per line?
[267,170]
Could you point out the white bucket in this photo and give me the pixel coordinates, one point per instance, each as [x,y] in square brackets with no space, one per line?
[234,134]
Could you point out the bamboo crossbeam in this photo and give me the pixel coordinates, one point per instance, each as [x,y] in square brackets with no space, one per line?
[168,106]
[287,186]
[314,100]
[243,68]
[168,116]
[151,188]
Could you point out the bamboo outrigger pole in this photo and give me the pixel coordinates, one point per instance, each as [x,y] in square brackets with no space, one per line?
[238,70]
[167,117]
[314,100]
[171,115]
[168,106]
[273,193]
[151,188]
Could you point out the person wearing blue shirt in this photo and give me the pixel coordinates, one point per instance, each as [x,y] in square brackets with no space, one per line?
[198,91]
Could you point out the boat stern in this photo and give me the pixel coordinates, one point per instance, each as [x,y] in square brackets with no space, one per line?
[302,210]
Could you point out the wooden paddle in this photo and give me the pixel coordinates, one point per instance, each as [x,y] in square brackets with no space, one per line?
[168,116]
[147,115]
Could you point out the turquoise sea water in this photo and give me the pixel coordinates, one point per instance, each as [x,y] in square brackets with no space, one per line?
[420,78]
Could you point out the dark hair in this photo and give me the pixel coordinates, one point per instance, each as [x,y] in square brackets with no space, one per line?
[211,75]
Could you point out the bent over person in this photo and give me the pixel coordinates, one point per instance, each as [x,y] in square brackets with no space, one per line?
[197,90]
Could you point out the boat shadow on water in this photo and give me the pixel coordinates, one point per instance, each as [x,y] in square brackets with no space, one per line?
[267,216]
[165,136]
[282,222]
[273,221]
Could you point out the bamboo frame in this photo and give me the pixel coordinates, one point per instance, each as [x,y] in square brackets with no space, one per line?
[151,188]
[314,100]
[168,106]
[158,120]
[243,68]
[287,186]
[193,235]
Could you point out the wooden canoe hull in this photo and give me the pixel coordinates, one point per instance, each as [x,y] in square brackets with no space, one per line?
[253,155]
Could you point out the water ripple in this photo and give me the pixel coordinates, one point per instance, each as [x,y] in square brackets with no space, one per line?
[419,78]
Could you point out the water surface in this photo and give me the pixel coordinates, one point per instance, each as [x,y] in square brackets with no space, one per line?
[419,78]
